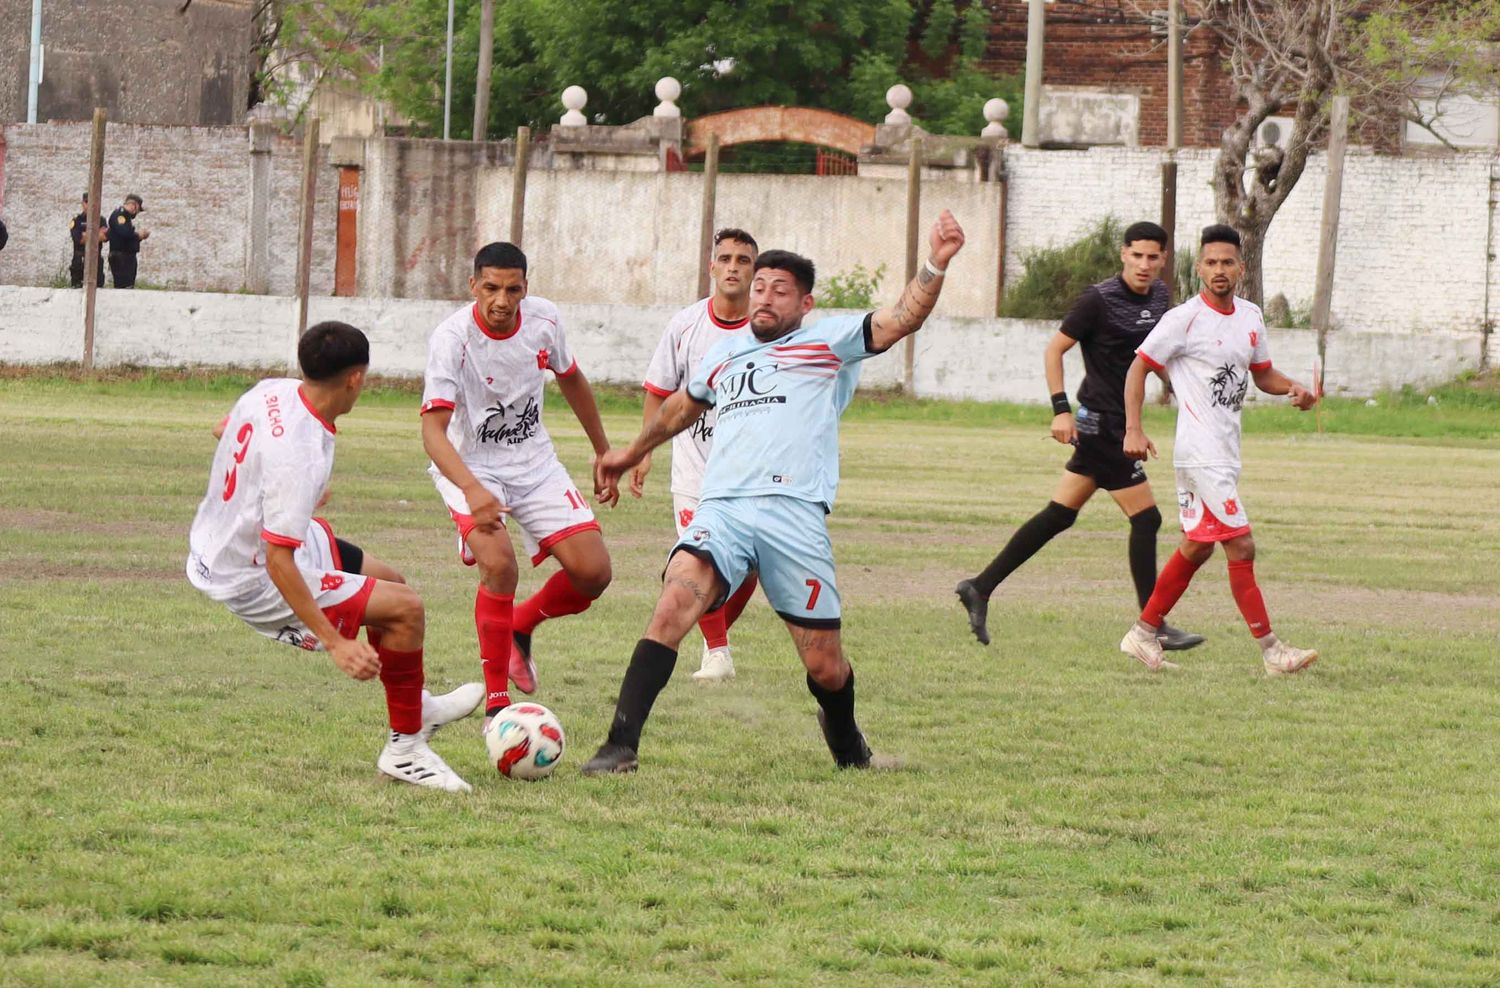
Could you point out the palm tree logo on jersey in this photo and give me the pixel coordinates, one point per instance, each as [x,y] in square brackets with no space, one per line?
[512,427]
[1228,387]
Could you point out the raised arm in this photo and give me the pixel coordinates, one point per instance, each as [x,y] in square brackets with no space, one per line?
[894,323]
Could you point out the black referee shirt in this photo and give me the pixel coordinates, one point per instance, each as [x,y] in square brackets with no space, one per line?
[1110,321]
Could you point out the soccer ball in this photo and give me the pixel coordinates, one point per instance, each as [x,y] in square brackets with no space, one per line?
[525,741]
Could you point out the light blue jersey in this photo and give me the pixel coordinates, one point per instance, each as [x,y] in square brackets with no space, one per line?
[778,408]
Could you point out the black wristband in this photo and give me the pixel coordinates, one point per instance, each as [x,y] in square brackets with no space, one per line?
[1060,404]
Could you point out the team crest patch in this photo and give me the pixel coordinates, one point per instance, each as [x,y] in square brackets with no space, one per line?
[331,581]
[685,517]
[542,360]
[1231,508]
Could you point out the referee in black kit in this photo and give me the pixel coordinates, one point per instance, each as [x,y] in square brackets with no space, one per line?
[125,241]
[1110,320]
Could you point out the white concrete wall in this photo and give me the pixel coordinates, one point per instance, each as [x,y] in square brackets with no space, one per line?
[1413,232]
[986,359]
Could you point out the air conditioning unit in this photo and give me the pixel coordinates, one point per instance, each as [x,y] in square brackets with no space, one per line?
[1275,131]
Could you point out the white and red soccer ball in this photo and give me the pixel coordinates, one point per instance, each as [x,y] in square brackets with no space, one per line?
[525,741]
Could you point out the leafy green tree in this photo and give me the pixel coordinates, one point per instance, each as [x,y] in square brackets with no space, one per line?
[838,55]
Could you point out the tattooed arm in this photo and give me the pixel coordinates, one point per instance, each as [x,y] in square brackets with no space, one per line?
[894,323]
[676,414]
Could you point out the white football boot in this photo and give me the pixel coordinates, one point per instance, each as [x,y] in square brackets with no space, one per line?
[1282,659]
[717,666]
[451,706]
[1142,645]
[406,758]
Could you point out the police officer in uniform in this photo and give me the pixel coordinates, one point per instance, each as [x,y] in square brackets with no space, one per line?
[125,241]
[76,234]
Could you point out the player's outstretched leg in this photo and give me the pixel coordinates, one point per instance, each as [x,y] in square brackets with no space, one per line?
[689,585]
[1026,542]
[584,576]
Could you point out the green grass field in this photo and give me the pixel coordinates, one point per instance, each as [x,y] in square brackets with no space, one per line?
[183,802]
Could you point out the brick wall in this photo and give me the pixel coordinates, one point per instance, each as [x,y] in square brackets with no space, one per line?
[1100,44]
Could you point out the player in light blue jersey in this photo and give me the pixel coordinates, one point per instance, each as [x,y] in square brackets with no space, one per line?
[770,481]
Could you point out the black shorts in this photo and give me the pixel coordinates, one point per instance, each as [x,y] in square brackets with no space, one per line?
[351,557]
[1100,452]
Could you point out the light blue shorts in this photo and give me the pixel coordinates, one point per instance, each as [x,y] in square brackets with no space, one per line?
[784,539]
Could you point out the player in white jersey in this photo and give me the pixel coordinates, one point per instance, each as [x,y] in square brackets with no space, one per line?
[771,481]
[688,337]
[1211,347]
[256,548]
[492,457]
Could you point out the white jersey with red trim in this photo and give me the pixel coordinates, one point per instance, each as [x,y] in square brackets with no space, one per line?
[271,467]
[1209,355]
[493,384]
[686,341]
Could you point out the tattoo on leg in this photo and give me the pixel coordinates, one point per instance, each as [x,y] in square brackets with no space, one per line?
[689,584]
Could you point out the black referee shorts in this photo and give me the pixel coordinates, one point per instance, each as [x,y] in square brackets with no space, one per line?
[1100,452]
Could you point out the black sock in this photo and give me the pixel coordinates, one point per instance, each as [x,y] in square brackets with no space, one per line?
[838,708]
[1029,538]
[1143,528]
[650,668]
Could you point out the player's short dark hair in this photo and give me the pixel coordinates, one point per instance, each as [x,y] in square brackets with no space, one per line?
[331,348]
[799,267]
[736,234]
[1144,230]
[499,255]
[1220,233]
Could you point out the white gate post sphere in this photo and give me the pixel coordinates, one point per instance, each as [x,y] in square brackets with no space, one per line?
[898,98]
[995,111]
[575,98]
[667,90]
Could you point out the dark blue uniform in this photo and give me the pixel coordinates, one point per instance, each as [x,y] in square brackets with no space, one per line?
[124,245]
[76,234]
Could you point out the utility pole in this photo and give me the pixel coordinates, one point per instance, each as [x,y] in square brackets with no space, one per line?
[448,75]
[486,60]
[1036,26]
[35,83]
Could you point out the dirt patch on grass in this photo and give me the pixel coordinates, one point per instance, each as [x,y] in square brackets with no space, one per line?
[48,520]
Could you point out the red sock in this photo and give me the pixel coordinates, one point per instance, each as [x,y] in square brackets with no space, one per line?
[401,674]
[492,617]
[715,628]
[557,598]
[735,605]
[1247,596]
[1170,586]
